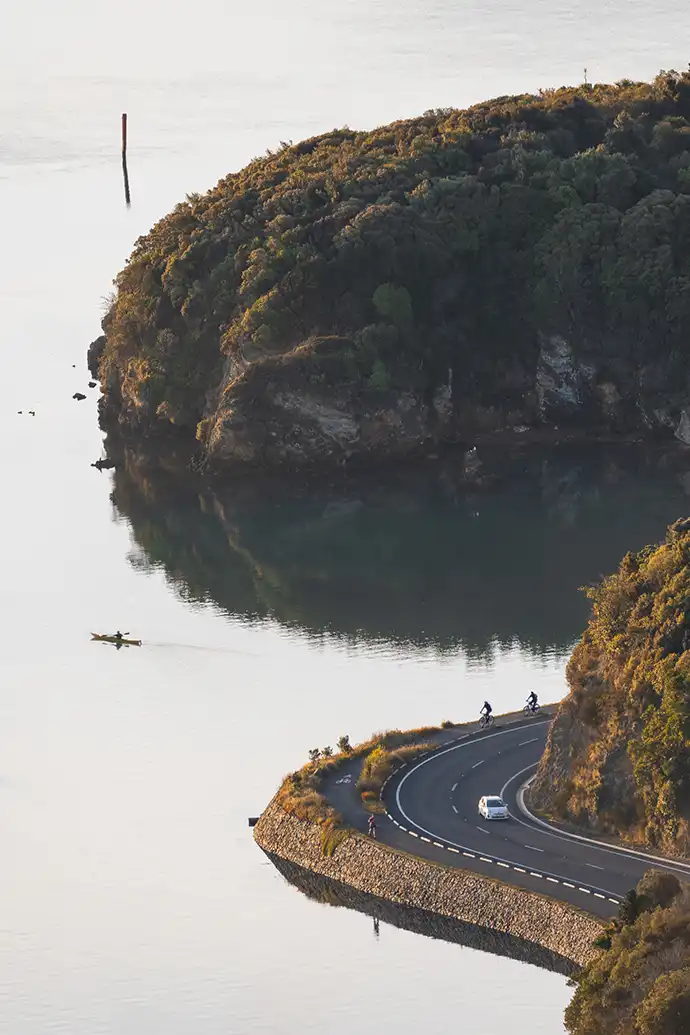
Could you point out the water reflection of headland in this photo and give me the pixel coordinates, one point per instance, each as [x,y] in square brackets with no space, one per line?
[420,921]
[425,558]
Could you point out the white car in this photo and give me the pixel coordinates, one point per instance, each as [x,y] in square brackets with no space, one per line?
[493,807]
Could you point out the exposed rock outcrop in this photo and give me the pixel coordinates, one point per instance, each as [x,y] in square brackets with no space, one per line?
[562,382]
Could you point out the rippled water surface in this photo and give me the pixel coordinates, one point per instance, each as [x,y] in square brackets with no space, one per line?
[133,897]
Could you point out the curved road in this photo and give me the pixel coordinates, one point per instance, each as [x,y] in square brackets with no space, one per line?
[432,812]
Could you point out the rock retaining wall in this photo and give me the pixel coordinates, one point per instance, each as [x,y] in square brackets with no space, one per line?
[421,921]
[373,868]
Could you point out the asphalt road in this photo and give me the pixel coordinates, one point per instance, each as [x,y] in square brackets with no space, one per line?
[432,812]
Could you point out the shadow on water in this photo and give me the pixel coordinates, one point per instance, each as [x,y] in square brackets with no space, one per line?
[420,921]
[424,557]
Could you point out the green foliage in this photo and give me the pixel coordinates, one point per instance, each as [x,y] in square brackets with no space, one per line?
[657,888]
[666,1010]
[443,242]
[379,379]
[640,985]
[394,304]
[629,909]
[628,770]
[300,793]
[380,764]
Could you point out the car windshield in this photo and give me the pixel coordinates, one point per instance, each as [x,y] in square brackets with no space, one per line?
[495,803]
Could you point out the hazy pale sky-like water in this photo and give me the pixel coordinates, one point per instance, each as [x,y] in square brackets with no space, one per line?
[134,898]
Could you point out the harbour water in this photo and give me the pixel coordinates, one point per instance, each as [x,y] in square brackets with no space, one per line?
[134,898]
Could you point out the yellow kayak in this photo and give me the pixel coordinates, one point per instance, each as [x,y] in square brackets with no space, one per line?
[115,639]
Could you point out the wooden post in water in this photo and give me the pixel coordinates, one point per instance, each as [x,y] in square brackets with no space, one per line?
[124,157]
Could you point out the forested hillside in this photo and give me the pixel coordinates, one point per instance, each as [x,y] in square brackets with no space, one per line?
[522,262]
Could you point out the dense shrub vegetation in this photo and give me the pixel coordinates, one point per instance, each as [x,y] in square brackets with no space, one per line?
[641,984]
[379,765]
[618,755]
[449,242]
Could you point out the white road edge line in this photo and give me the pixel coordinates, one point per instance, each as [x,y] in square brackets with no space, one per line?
[471,855]
[604,846]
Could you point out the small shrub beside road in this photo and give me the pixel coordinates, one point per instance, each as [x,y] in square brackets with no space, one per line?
[378,765]
[640,984]
[301,792]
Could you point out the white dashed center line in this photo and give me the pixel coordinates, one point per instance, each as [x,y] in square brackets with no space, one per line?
[453,787]
[498,862]
[532,741]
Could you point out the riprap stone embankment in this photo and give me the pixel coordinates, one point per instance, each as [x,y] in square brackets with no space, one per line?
[371,867]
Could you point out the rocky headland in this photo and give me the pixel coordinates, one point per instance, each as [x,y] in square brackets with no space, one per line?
[517,269]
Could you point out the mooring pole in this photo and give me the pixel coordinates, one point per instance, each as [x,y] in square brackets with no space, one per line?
[124,157]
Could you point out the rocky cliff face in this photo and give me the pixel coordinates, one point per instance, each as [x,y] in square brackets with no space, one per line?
[618,754]
[305,409]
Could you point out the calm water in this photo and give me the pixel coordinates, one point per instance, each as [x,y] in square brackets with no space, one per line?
[134,899]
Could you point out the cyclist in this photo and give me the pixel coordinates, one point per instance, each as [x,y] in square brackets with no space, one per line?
[372,827]
[486,710]
[532,701]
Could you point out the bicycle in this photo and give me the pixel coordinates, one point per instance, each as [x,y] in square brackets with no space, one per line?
[531,709]
[485,721]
